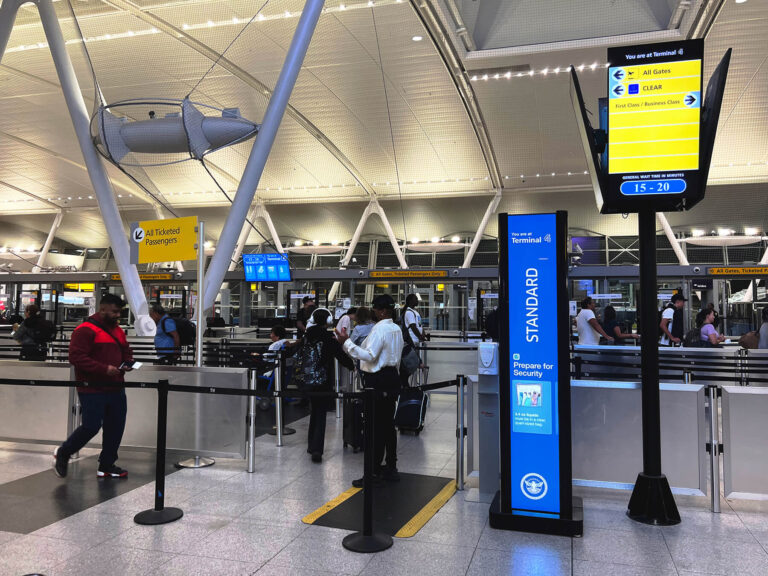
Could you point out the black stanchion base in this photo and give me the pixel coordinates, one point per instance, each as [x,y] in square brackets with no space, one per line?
[359,542]
[652,502]
[558,526]
[286,431]
[154,517]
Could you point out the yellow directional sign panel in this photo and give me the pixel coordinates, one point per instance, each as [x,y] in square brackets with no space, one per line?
[116,277]
[654,113]
[738,271]
[397,274]
[164,240]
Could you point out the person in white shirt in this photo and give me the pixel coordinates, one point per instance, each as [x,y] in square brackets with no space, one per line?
[588,327]
[379,356]
[412,320]
[667,321]
[344,325]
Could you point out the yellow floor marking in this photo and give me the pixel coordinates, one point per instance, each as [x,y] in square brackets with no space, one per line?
[417,522]
[328,506]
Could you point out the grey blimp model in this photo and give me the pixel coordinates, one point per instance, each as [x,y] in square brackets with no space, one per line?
[188,131]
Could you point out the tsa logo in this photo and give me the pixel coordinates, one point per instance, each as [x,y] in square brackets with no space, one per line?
[533,486]
[515,356]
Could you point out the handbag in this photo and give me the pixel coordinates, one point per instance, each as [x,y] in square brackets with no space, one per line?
[409,361]
[750,340]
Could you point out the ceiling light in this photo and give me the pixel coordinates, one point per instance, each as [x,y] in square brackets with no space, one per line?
[553,173]
[740,1]
[210,23]
[370,3]
[580,68]
[342,7]
[261,16]
[336,242]
[585,172]
[724,231]
[298,243]
[455,239]
[287,14]
[751,231]
[207,244]
[594,65]
[415,241]
[131,33]
[530,73]
[537,175]
[545,71]
[435,239]
[18,249]
[315,243]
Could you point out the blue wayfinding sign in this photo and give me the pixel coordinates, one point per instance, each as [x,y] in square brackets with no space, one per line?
[534,385]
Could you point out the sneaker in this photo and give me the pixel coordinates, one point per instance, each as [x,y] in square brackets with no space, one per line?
[390,474]
[60,464]
[317,457]
[112,472]
[359,482]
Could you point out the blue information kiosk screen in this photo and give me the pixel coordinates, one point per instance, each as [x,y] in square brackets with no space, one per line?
[266,268]
[533,363]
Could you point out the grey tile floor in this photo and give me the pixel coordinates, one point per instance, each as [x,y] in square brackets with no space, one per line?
[237,523]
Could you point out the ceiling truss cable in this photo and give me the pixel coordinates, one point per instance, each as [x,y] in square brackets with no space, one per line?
[391,131]
[183,37]
[447,51]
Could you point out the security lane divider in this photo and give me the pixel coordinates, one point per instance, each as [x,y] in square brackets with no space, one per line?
[159,514]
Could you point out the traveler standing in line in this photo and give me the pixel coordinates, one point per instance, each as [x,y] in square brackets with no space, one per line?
[33,334]
[588,327]
[412,320]
[303,315]
[167,339]
[707,333]
[363,325]
[670,331]
[97,349]
[346,322]
[379,357]
[613,328]
[763,332]
[315,373]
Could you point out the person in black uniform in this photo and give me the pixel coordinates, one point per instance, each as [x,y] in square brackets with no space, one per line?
[303,315]
[320,337]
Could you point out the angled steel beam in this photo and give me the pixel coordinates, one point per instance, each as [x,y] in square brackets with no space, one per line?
[48,241]
[490,211]
[254,168]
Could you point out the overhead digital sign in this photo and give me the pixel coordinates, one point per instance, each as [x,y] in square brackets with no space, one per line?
[654,118]
[534,386]
[266,268]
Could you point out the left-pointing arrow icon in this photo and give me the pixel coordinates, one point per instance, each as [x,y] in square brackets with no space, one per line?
[619,74]
[618,90]
[138,235]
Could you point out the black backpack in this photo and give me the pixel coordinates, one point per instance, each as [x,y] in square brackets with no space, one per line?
[693,339]
[43,332]
[185,329]
[309,371]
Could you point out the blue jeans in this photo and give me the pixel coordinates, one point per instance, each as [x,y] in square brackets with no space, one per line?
[105,410]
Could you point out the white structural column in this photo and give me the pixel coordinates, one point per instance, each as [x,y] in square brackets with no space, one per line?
[749,296]
[48,241]
[681,257]
[261,148]
[161,216]
[8,11]
[373,208]
[258,211]
[490,211]
[134,292]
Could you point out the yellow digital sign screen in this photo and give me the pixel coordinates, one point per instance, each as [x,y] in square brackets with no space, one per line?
[654,114]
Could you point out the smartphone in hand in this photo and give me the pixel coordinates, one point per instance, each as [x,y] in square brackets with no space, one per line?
[130,365]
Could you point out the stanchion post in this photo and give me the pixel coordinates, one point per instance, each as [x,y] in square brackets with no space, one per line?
[252,423]
[160,514]
[714,448]
[337,385]
[279,400]
[460,386]
[368,541]
[75,416]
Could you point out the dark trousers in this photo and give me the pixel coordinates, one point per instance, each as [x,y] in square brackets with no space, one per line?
[319,406]
[387,381]
[101,410]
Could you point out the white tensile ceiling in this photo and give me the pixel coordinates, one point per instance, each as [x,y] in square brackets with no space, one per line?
[362,142]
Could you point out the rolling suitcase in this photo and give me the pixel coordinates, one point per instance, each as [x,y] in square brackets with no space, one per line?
[353,424]
[411,410]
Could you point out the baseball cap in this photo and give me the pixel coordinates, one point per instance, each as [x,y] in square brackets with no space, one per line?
[678,298]
[382,302]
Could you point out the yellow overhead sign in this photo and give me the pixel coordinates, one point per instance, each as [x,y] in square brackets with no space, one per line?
[397,274]
[87,287]
[738,271]
[164,240]
[654,115]
[146,277]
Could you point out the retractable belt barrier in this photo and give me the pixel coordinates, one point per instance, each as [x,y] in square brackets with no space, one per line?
[159,514]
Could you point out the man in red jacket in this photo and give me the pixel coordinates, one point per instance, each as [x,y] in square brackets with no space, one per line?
[97,349]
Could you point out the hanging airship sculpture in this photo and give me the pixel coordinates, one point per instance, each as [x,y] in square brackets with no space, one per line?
[183,130]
